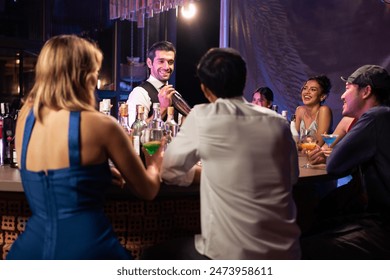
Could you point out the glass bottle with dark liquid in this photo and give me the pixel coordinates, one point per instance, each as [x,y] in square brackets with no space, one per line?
[8,134]
[14,157]
[1,135]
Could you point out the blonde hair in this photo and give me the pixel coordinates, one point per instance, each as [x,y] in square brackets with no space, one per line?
[66,75]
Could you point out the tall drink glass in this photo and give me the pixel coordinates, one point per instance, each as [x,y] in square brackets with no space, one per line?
[308,143]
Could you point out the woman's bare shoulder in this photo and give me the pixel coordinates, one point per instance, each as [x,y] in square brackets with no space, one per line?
[299,109]
[23,113]
[324,109]
[97,123]
[95,118]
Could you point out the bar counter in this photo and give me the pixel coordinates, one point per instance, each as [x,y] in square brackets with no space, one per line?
[10,180]
[138,224]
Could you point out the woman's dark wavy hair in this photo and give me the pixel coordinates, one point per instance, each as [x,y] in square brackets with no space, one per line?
[223,71]
[323,81]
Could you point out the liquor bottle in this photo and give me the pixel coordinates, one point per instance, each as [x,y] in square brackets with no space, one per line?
[293,128]
[157,122]
[284,114]
[105,106]
[179,119]
[171,126]
[14,157]
[124,118]
[2,112]
[137,128]
[143,116]
[8,134]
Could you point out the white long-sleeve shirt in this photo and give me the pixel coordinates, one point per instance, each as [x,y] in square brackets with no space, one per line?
[249,164]
[140,96]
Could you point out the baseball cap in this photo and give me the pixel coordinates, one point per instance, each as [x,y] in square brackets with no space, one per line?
[373,75]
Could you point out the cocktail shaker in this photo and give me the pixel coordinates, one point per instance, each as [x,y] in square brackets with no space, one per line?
[180,104]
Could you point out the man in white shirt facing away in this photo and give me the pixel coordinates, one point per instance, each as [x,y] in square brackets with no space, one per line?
[249,165]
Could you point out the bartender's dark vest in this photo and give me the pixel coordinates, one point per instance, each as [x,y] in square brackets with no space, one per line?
[153,94]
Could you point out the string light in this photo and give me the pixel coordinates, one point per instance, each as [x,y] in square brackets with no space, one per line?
[139,10]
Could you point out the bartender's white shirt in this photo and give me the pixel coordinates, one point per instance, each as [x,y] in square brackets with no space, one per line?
[249,164]
[140,96]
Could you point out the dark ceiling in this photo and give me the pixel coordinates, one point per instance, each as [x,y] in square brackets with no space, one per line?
[37,20]
[26,24]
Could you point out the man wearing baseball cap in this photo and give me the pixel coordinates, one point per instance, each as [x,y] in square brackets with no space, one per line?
[364,152]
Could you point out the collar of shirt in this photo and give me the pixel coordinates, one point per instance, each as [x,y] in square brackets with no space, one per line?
[236,98]
[156,83]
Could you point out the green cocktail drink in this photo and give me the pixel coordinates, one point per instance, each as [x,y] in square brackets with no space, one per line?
[152,147]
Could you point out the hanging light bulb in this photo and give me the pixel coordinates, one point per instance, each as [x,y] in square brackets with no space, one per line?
[188,11]
[138,10]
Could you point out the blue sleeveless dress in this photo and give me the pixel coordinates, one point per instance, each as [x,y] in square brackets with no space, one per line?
[68,221]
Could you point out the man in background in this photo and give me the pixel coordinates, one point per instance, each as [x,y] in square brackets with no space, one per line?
[364,152]
[248,167]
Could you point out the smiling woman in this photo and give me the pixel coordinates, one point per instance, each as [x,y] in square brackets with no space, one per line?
[312,116]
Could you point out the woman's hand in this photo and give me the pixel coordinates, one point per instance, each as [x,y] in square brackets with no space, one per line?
[327,151]
[317,156]
[117,178]
[155,159]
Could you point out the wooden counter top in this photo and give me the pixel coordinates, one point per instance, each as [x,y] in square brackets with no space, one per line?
[10,179]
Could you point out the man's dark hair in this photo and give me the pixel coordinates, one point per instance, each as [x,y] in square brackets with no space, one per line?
[223,71]
[160,46]
[382,94]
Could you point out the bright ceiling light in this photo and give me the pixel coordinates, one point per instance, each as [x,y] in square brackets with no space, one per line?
[188,11]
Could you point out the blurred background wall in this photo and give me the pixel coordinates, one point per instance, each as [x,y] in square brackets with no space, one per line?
[287,41]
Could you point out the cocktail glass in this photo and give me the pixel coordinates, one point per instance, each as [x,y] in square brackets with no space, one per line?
[151,140]
[308,143]
[329,139]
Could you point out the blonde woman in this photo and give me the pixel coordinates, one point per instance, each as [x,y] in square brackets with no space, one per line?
[64,146]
